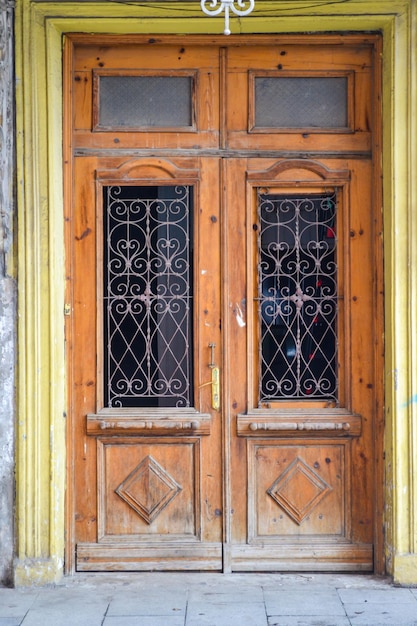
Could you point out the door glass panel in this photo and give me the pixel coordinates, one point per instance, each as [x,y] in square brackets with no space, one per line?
[148,296]
[298,296]
[301,102]
[145,101]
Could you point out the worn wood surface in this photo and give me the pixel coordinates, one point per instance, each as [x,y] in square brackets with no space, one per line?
[278,498]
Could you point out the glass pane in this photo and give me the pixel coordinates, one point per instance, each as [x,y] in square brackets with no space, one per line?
[298,296]
[145,101]
[147,296]
[291,102]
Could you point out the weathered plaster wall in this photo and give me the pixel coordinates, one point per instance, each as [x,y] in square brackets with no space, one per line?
[7,294]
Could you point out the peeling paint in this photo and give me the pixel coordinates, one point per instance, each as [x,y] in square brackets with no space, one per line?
[239,315]
[38,572]
[7,296]
[410,401]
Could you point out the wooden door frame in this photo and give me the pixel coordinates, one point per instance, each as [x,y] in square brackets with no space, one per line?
[42,404]
[78,42]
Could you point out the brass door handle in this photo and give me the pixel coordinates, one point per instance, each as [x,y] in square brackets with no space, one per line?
[211,346]
[215,380]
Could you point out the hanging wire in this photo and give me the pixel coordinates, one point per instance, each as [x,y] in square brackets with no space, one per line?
[261,12]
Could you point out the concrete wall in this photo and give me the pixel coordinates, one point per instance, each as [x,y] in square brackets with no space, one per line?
[7,294]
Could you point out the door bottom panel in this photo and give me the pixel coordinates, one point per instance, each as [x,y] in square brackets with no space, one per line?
[92,557]
[296,558]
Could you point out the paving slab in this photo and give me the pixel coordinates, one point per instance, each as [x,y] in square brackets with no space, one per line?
[16,602]
[161,602]
[308,620]
[372,614]
[378,596]
[239,595]
[226,614]
[10,621]
[143,620]
[64,617]
[72,599]
[395,606]
[305,602]
[66,607]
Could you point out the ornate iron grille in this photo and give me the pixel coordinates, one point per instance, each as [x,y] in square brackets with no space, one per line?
[147,296]
[298,296]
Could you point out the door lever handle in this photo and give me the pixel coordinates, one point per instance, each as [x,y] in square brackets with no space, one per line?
[211,346]
[215,380]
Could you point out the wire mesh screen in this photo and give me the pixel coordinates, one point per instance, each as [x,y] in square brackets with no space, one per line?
[148,296]
[145,101]
[301,102]
[298,296]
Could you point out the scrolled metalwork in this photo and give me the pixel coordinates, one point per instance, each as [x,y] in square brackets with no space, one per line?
[298,296]
[238,7]
[147,296]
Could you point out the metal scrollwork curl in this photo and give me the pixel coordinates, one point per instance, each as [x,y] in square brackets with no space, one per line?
[238,7]
[298,296]
[147,295]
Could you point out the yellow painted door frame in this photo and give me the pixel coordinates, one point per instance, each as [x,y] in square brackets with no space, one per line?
[42,402]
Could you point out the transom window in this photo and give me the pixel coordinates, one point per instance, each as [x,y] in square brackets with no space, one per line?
[131,101]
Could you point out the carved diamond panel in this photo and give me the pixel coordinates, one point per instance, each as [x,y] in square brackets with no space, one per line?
[298,490]
[148,489]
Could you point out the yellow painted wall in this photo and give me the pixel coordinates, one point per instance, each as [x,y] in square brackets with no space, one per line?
[40,26]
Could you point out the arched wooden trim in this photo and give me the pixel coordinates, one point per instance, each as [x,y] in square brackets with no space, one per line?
[310,167]
[143,169]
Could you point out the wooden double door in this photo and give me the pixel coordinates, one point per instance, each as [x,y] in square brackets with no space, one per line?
[224,303]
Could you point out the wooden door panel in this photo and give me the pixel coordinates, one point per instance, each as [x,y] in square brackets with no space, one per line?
[293,557]
[149,488]
[300,485]
[146,60]
[145,474]
[149,557]
[299,61]
[306,497]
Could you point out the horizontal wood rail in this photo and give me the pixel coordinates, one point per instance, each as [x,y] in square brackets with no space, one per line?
[148,422]
[306,423]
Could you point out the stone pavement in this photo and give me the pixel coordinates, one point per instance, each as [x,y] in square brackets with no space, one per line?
[209,599]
